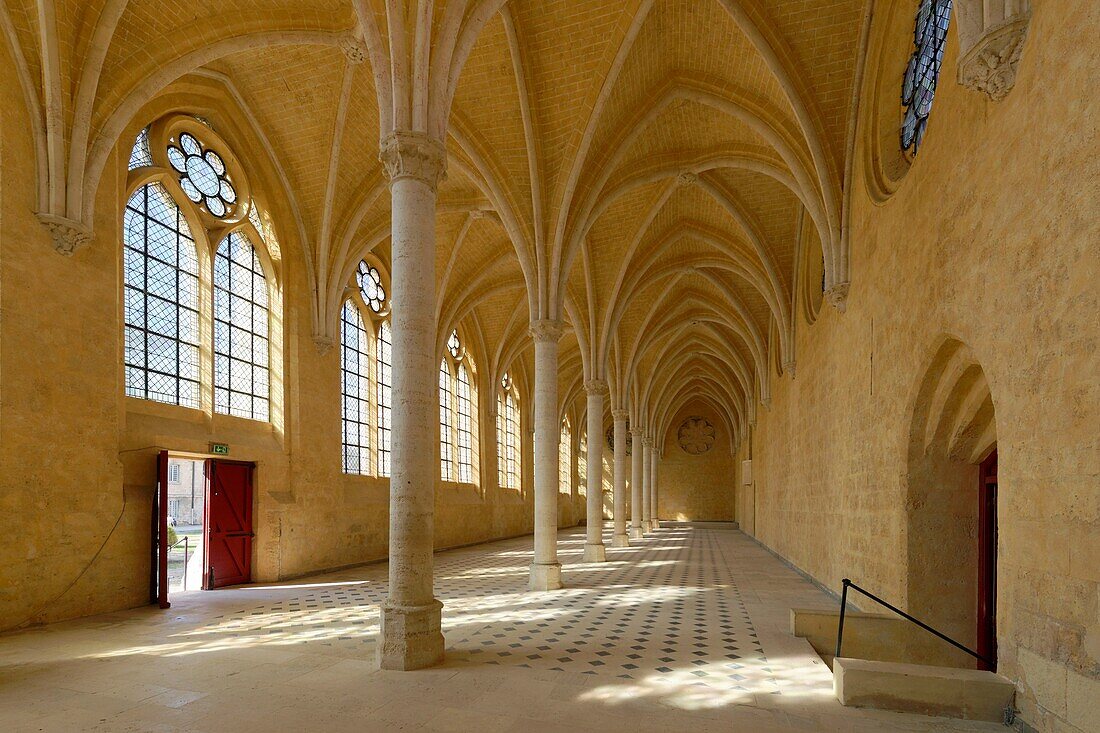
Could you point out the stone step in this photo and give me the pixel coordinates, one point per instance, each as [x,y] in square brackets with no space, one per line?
[916,688]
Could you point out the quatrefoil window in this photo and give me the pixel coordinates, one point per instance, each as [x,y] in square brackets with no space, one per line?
[203,176]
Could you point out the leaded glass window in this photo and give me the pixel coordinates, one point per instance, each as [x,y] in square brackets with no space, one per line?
[370,286]
[241,348]
[203,176]
[385,396]
[465,427]
[582,465]
[161,300]
[919,83]
[355,390]
[511,429]
[140,155]
[565,460]
[446,424]
[502,446]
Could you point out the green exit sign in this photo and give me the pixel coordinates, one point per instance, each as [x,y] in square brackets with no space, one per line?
[219,449]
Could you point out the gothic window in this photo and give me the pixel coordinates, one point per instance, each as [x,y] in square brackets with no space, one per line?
[385,396]
[355,390]
[582,465]
[370,287]
[465,427]
[446,423]
[565,460]
[508,438]
[203,176]
[241,348]
[161,274]
[919,83]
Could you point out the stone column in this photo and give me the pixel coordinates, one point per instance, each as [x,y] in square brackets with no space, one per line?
[619,538]
[410,635]
[647,484]
[546,570]
[653,488]
[594,551]
[636,484]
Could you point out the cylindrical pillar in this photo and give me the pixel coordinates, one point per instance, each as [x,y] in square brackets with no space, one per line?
[636,483]
[594,550]
[647,484]
[410,636]
[653,488]
[546,570]
[619,538]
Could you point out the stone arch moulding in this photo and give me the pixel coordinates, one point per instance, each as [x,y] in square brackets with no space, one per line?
[953,429]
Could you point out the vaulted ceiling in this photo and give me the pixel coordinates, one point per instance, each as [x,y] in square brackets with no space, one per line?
[648,171]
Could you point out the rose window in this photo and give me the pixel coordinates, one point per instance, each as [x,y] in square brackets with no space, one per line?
[370,286]
[918,86]
[696,436]
[203,176]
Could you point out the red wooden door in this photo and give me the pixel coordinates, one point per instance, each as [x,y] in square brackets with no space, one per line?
[987,561]
[228,535]
[158,570]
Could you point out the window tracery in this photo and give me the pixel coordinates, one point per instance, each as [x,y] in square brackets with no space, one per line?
[370,286]
[202,175]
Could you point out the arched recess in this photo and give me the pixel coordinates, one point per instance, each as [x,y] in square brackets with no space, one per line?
[953,430]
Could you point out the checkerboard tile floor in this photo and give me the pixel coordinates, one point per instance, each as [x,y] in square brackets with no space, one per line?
[684,631]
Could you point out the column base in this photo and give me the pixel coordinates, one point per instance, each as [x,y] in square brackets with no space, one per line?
[620,540]
[594,553]
[545,576]
[654,525]
[410,637]
[636,533]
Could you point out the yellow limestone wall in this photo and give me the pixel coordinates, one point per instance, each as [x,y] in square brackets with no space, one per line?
[992,239]
[77,458]
[697,487]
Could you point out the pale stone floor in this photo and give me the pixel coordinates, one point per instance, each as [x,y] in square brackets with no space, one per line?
[687,631]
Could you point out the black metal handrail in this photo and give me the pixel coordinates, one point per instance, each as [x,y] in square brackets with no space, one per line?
[844,605]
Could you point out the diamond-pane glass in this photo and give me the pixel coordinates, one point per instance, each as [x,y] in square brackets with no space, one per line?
[446,424]
[241,347]
[565,461]
[160,301]
[385,396]
[465,427]
[355,390]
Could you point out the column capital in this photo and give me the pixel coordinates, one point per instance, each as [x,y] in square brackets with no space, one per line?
[647,442]
[596,387]
[414,155]
[637,432]
[620,415]
[546,330]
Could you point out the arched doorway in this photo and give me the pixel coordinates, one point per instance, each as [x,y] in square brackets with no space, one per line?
[951,504]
